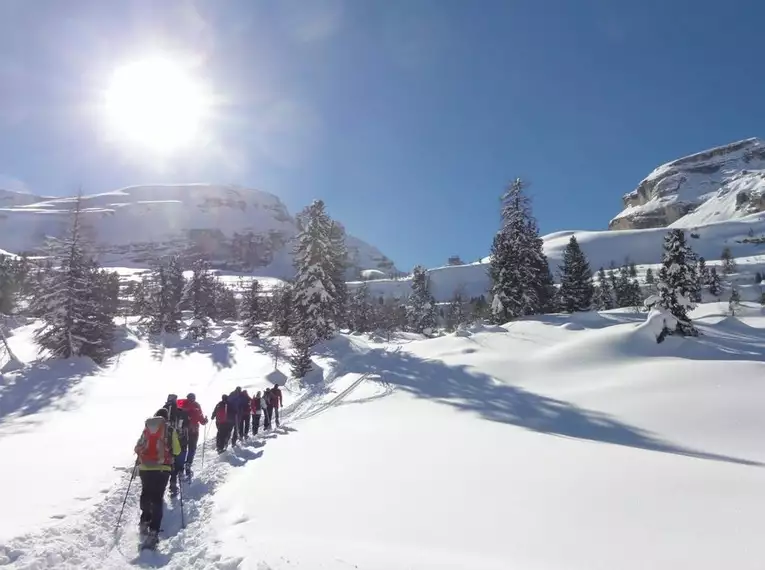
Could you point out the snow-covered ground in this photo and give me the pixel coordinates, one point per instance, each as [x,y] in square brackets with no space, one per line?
[559,442]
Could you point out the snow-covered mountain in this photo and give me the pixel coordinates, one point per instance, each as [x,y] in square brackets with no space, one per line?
[715,185]
[237,228]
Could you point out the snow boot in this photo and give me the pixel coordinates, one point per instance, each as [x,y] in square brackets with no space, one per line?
[150,541]
[189,473]
[173,490]
[143,529]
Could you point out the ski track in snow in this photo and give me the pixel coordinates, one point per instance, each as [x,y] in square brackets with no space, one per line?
[90,540]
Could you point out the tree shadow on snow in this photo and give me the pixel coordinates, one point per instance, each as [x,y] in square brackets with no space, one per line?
[475,392]
[43,385]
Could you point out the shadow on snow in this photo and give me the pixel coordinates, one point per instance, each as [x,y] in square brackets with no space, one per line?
[471,391]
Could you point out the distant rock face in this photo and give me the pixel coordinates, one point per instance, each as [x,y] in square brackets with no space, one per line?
[234,228]
[719,184]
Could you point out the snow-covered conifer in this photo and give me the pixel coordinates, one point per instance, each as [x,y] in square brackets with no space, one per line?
[576,289]
[677,278]
[252,310]
[199,296]
[421,307]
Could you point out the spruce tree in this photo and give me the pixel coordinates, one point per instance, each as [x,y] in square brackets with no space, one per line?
[302,344]
[140,305]
[199,296]
[8,286]
[633,269]
[735,301]
[252,311]
[758,278]
[225,302]
[604,297]
[520,275]
[703,272]
[649,278]
[339,266]
[164,295]
[421,307]
[70,300]
[314,293]
[361,311]
[576,289]
[677,278]
[456,312]
[715,285]
[281,310]
[728,263]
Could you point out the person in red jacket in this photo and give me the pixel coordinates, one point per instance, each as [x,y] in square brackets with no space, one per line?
[276,402]
[196,418]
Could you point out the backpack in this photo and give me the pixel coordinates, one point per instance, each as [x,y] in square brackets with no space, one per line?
[255,405]
[154,448]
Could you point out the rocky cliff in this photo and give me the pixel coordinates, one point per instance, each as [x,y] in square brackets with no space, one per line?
[719,184]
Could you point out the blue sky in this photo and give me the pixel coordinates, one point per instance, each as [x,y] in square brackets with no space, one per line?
[408,117]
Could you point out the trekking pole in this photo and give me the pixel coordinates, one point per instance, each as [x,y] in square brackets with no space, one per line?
[204,444]
[183,518]
[122,510]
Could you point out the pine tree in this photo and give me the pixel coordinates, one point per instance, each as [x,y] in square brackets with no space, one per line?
[314,289]
[576,289]
[252,311]
[302,344]
[758,278]
[456,314]
[339,267]
[199,296]
[604,297]
[140,303]
[734,302]
[520,275]
[70,301]
[677,278]
[8,286]
[715,285]
[361,312]
[225,302]
[479,308]
[281,310]
[649,278]
[164,295]
[421,307]
[728,263]
[703,272]
[633,269]
[696,287]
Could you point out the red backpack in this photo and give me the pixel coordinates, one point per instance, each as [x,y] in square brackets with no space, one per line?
[153,448]
[255,405]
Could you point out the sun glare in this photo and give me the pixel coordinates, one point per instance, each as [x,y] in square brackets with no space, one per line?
[156,104]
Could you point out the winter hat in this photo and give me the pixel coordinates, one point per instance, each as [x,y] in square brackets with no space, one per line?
[191,396]
[224,397]
[162,413]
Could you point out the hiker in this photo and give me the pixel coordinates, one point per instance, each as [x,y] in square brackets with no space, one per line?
[196,418]
[235,407]
[256,406]
[224,421]
[275,403]
[267,409]
[244,415]
[178,420]
[156,450]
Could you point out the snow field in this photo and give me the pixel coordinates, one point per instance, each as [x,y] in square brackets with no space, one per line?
[561,441]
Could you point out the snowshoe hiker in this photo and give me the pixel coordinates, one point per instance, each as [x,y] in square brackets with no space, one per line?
[178,420]
[196,418]
[256,407]
[276,400]
[267,409]
[244,415]
[235,407]
[156,449]
[224,421]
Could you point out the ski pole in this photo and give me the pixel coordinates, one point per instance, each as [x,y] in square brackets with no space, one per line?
[183,518]
[122,510]
[204,444]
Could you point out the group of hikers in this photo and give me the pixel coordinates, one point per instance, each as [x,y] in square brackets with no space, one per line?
[168,444]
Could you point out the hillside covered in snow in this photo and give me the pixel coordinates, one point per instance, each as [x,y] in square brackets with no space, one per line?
[235,228]
[556,442]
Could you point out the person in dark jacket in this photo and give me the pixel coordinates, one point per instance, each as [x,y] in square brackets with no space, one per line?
[244,415]
[235,403]
[268,410]
[178,421]
[224,421]
[276,402]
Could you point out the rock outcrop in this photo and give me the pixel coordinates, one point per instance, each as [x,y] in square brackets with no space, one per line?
[715,185]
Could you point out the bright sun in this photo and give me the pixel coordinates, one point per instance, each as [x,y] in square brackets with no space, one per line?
[156,104]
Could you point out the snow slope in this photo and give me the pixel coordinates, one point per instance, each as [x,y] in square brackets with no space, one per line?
[715,185]
[132,224]
[551,443]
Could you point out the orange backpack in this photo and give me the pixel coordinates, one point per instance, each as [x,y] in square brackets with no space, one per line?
[153,448]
